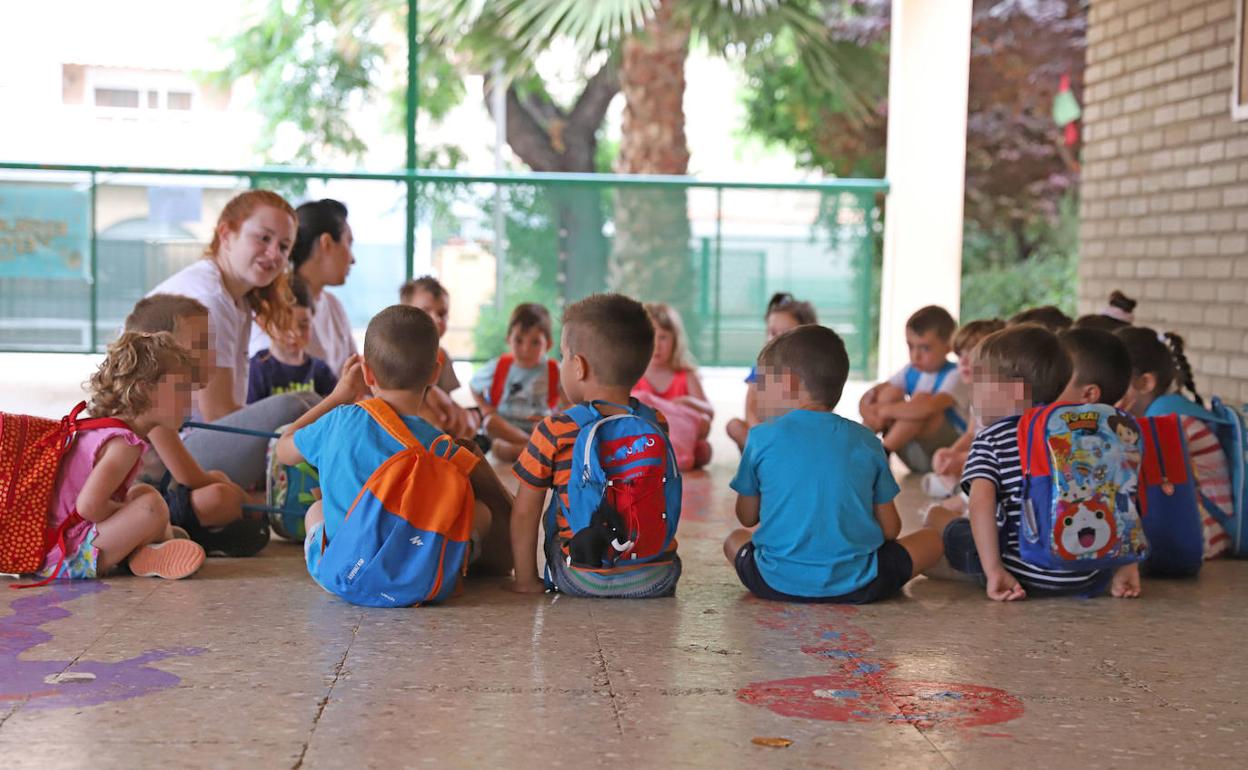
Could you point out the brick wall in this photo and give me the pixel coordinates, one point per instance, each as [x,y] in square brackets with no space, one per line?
[1165,178]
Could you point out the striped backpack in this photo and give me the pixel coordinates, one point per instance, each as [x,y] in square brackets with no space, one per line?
[405,538]
[30,456]
[1080,480]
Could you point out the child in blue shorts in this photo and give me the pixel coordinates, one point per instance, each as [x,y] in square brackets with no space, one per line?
[818,487]
[346,445]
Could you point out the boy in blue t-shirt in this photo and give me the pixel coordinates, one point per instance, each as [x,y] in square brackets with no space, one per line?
[347,445]
[285,366]
[818,487]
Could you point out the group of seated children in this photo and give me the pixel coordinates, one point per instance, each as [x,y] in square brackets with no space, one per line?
[814,490]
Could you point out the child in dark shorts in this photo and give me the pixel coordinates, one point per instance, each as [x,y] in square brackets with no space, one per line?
[818,487]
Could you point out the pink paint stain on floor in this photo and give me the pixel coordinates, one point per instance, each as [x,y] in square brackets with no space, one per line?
[865,690]
[48,684]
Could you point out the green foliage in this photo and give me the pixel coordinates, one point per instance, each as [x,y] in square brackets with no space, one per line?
[1001,292]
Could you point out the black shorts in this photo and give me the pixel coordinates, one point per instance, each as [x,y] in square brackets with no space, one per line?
[895,568]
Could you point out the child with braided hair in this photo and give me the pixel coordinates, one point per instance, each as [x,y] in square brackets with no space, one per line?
[1159,373]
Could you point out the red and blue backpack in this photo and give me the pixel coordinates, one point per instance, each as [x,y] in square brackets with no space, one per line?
[1080,479]
[499,382]
[1171,516]
[624,490]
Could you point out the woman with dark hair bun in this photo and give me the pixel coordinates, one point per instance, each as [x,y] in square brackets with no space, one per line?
[322,257]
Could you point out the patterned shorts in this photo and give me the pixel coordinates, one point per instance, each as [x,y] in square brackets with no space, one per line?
[82,564]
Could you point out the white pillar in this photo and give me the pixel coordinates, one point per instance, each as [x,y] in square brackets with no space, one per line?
[929,63]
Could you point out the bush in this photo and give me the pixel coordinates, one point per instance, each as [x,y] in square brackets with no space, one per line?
[1003,291]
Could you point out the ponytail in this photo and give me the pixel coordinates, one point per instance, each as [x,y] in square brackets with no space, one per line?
[1181,365]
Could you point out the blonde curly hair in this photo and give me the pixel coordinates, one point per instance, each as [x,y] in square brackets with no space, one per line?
[123,385]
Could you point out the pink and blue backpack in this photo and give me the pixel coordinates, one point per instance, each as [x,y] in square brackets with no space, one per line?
[624,491]
[1080,479]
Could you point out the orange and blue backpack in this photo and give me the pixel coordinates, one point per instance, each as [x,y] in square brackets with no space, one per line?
[406,537]
[31,449]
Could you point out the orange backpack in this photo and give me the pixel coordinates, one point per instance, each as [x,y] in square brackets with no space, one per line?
[30,456]
[405,539]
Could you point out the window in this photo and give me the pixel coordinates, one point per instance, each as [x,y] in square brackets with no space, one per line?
[153,100]
[116,97]
[178,100]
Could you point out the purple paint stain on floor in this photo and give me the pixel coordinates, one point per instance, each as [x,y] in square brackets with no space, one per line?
[26,680]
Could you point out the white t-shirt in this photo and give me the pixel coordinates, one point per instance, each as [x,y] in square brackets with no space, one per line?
[951,383]
[331,333]
[229,322]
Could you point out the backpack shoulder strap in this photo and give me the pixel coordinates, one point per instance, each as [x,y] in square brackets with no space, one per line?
[388,419]
[1173,403]
[500,378]
[942,374]
[912,379]
[583,414]
[552,383]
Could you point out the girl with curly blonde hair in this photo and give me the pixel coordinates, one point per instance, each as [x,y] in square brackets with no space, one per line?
[102,517]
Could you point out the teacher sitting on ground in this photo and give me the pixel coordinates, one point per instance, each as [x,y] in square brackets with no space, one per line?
[322,257]
[243,273]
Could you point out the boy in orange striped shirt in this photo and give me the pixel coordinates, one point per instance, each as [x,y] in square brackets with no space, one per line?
[605,348]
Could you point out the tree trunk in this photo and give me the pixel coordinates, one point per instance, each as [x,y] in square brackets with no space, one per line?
[653,258]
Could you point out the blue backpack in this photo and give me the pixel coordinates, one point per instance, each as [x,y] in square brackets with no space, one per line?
[624,490]
[912,383]
[1172,518]
[1231,429]
[1080,479]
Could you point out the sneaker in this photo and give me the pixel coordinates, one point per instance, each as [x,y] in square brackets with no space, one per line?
[171,560]
[241,538]
[935,485]
[484,442]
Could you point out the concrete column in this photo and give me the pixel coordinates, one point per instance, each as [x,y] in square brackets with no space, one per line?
[929,63]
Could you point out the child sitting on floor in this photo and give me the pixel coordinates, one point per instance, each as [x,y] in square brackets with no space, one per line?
[947,463]
[923,407]
[1015,369]
[346,444]
[783,313]
[1157,364]
[518,389]
[606,345]
[144,382]
[1048,316]
[672,379]
[285,365]
[206,504]
[428,294]
[827,530]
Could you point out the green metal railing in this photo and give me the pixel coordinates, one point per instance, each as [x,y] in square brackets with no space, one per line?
[715,250]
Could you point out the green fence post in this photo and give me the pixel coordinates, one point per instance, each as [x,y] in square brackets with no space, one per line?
[719,269]
[704,278]
[413,104]
[95,290]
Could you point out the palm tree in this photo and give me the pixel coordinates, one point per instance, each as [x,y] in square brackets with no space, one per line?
[651,40]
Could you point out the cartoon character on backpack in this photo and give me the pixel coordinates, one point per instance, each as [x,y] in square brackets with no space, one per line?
[600,542]
[1085,529]
[1080,478]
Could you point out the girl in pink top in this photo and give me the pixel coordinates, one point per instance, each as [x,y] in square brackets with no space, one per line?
[673,376]
[103,517]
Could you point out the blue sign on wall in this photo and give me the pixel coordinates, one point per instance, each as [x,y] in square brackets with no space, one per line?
[45,232]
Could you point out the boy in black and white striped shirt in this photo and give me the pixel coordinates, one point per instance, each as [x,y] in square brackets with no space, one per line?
[1016,368]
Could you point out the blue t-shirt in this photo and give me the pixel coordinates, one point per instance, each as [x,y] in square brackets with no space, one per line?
[269,377]
[526,392]
[346,445]
[820,477]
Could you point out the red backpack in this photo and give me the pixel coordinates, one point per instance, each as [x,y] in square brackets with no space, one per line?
[500,381]
[30,456]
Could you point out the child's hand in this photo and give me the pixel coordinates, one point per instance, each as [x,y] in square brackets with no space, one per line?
[1004,587]
[526,586]
[1126,583]
[350,387]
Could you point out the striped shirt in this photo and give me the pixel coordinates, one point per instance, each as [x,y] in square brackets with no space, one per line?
[1213,479]
[994,457]
[547,462]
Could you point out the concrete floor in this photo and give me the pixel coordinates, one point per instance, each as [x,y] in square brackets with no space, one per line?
[249,664]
